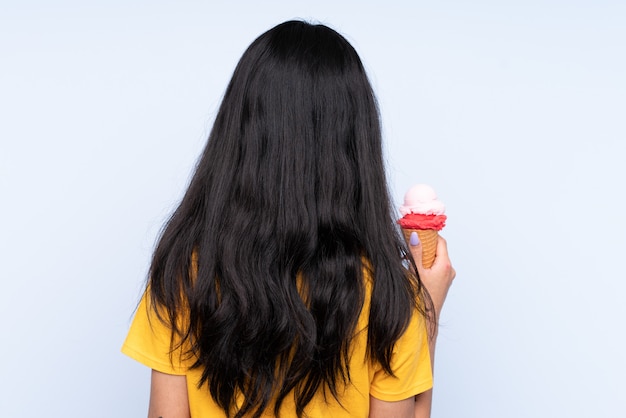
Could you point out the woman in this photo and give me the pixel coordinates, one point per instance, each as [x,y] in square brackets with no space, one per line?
[278,286]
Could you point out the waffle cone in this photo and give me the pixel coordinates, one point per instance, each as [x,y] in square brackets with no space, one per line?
[428,238]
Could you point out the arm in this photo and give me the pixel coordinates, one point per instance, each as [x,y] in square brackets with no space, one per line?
[437,281]
[398,409]
[168,396]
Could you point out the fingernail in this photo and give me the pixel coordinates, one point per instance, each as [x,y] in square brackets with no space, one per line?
[414,240]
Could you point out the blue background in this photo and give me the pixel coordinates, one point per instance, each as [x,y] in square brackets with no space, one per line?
[514,111]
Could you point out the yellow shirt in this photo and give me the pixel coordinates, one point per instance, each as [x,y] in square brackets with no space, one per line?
[148,342]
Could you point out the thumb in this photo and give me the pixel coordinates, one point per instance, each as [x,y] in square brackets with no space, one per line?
[415,246]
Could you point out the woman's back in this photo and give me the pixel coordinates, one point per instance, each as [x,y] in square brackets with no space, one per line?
[149,342]
[286,202]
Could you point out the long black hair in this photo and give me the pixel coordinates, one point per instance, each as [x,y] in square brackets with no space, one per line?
[259,271]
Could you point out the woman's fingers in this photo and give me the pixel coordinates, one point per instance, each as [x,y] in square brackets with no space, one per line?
[439,277]
[415,246]
[442,259]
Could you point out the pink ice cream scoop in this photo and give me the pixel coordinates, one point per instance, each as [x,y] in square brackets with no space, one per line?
[424,213]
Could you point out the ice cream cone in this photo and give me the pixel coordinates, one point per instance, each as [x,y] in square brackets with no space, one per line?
[428,238]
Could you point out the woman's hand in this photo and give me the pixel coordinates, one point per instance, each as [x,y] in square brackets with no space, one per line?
[438,278]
